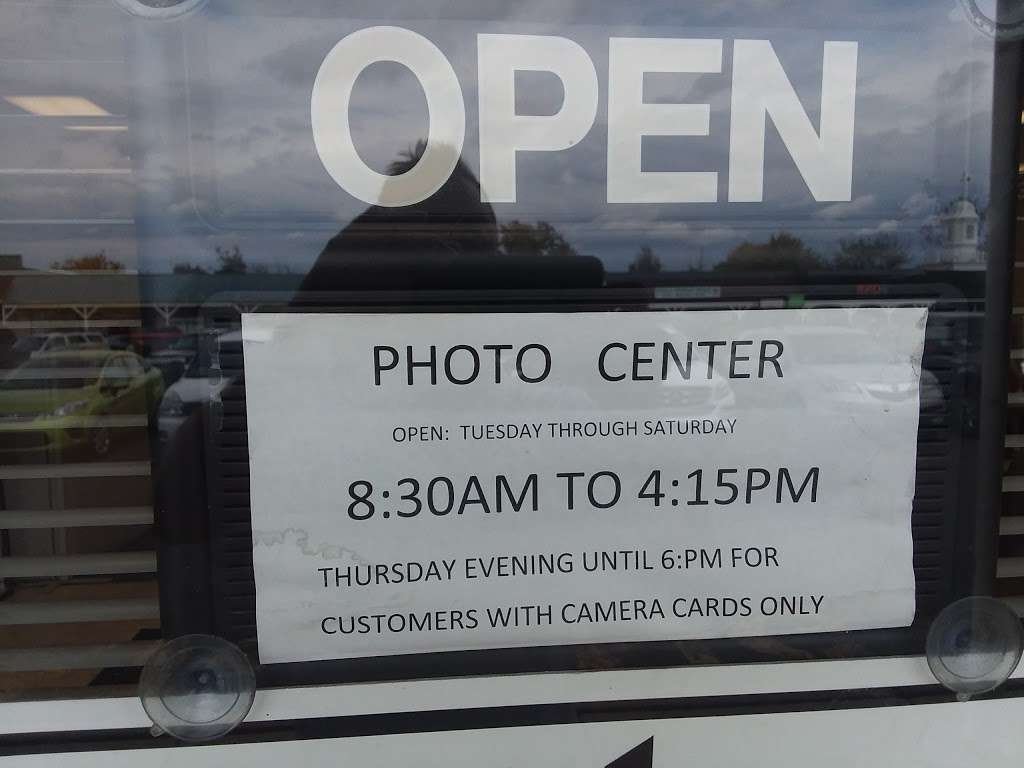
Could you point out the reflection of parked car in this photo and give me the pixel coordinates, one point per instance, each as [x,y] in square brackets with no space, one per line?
[855,369]
[144,342]
[44,343]
[55,401]
[185,395]
[175,359]
[202,382]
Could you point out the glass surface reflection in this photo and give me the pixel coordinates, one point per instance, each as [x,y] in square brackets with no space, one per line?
[161,177]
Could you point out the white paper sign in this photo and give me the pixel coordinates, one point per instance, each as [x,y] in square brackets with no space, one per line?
[434,482]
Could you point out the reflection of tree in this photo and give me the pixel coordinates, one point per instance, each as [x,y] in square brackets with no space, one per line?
[782,253]
[187,268]
[93,262]
[875,253]
[541,239]
[230,261]
[646,261]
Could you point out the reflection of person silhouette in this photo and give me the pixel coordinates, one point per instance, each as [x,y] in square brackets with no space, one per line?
[447,242]
[403,248]
[450,241]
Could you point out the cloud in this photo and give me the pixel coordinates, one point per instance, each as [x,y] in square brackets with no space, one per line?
[919,204]
[854,208]
[886,227]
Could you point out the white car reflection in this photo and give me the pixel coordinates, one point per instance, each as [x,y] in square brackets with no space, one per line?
[697,394]
[198,385]
[841,361]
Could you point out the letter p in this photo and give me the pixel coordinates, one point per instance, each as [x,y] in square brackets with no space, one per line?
[379,366]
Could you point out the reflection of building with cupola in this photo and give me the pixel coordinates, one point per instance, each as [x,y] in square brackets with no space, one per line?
[959,228]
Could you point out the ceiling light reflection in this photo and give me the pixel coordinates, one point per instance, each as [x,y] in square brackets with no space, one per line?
[58,106]
[97,128]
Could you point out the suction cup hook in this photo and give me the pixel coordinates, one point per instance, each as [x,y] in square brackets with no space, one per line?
[197,688]
[159,9]
[974,645]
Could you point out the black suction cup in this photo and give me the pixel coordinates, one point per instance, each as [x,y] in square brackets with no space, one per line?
[197,688]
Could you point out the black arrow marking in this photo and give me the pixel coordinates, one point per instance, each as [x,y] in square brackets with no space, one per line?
[640,756]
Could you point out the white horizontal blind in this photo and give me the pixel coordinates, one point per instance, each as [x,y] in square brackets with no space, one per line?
[1010,564]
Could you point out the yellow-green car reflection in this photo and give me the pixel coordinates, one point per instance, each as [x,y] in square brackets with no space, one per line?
[79,400]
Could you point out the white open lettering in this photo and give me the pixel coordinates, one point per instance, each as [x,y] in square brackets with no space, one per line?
[761,89]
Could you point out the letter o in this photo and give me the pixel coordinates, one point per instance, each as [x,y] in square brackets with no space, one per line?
[329,111]
[473,356]
[547,363]
[616,490]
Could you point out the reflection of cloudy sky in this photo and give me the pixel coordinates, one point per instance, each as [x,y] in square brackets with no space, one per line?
[219,148]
